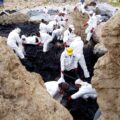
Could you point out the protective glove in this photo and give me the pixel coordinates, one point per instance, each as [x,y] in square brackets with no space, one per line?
[39,43]
[92,30]
[65,45]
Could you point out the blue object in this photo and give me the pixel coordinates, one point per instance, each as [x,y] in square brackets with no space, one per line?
[82,1]
[1,2]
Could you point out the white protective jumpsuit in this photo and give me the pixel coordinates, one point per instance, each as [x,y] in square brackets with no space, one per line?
[58,33]
[81,7]
[68,62]
[30,40]
[51,25]
[68,37]
[92,23]
[61,19]
[77,46]
[85,91]
[43,27]
[53,89]
[15,43]
[45,39]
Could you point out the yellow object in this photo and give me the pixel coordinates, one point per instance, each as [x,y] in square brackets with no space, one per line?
[69,51]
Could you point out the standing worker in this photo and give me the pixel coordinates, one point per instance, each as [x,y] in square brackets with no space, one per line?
[68,35]
[14,42]
[69,64]
[77,46]
[92,23]
[43,26]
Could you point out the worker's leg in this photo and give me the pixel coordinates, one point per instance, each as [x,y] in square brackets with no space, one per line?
[18,51]
[53,35]
[45,46]
[84,67]
[22,48]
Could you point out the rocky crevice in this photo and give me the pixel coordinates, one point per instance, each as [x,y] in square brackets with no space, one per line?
[22,94]
[106,78]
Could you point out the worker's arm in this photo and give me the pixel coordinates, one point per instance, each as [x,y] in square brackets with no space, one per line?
[78,94]
[19,41]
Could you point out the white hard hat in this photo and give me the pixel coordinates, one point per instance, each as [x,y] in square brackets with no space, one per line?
[72,27]
[79,81]
[18,30]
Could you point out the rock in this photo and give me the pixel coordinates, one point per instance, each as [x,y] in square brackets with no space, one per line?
[99,50]
[22,94]
[79,20]
[97,34]
[13,18]
[106,78]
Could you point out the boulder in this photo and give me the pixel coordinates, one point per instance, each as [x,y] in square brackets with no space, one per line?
[106,78]
[97,34]
[22,94]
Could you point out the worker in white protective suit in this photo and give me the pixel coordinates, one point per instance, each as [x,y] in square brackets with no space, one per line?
[52,26]
[81,7]
[43,26]
[53,89]
[15,42]
[44,39]
[30,40]
[69,65]
[85,90]
[58,33]
[61,18]
[77,46]
[92,23]
[64,11]
[68,36]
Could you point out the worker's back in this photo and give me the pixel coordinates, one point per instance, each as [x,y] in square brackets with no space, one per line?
[13,37]
[77,45]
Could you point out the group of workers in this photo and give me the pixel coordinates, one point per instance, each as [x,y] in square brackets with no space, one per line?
[70,57]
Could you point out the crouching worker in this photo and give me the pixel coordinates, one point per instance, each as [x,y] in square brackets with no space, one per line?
[66,90]
[53,89]
[33,40]
[85,90]
[69,65]
[15,42]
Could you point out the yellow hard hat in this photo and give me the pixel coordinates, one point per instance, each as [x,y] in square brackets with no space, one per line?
[69,51]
